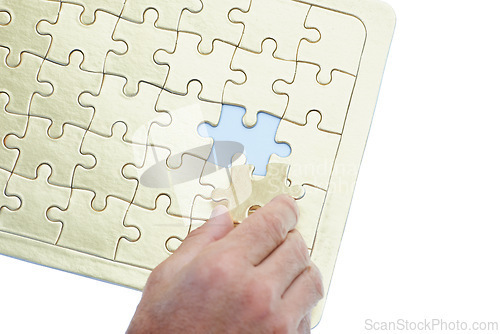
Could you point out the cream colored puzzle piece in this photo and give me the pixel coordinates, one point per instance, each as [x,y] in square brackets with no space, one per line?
[313,151]
[19,33]
[157,227]
[36,148]
[246,192]
[219,178]
[156,178]
[169,11]
[137,64]
[169,137]
[256,93]
[340,46]
[30,219]
[310,208]
[62,105]
[187,112]
[173,243]
[105,178]
[281,20]
[212,23]
[89,231]
[5,18]
[202,207]
[306,94]
[137,112]
[239,192]
[190,102]
[69,34]
[92,6]
[9,124]
[213,70]
[7,202]
[20,82]
[151,176]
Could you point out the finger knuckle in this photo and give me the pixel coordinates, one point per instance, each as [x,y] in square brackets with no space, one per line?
[305,325]
[317,280]
[289,204]
[274,226]
[299,248]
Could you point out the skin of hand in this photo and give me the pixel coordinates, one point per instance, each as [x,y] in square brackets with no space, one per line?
[254,278]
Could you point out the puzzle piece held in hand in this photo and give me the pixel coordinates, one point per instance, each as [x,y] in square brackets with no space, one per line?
[30,220]
[90,231]
[217,177]
[157,228]
[247,192]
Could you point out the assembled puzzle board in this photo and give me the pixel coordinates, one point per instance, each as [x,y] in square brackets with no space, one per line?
[104,168]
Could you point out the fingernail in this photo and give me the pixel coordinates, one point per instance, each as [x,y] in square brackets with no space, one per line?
[218,210]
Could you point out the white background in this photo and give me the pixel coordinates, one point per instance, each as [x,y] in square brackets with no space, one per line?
[422,239]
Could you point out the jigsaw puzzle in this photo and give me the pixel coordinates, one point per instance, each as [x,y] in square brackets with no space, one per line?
[124,122]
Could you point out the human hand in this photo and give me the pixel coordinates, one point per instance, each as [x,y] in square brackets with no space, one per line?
[255,278]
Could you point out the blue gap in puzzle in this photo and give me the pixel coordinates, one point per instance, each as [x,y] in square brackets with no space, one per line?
[232,137]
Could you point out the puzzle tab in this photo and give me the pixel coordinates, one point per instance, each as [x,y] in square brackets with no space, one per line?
[123,123]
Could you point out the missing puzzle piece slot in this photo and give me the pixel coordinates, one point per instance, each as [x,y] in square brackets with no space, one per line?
[230,136]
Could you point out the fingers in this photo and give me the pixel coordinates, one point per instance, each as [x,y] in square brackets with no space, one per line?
[258,235]
[287,262]
[305,325]
[217,227]
[304,293]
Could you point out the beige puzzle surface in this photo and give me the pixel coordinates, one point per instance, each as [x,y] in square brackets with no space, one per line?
[104,169]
